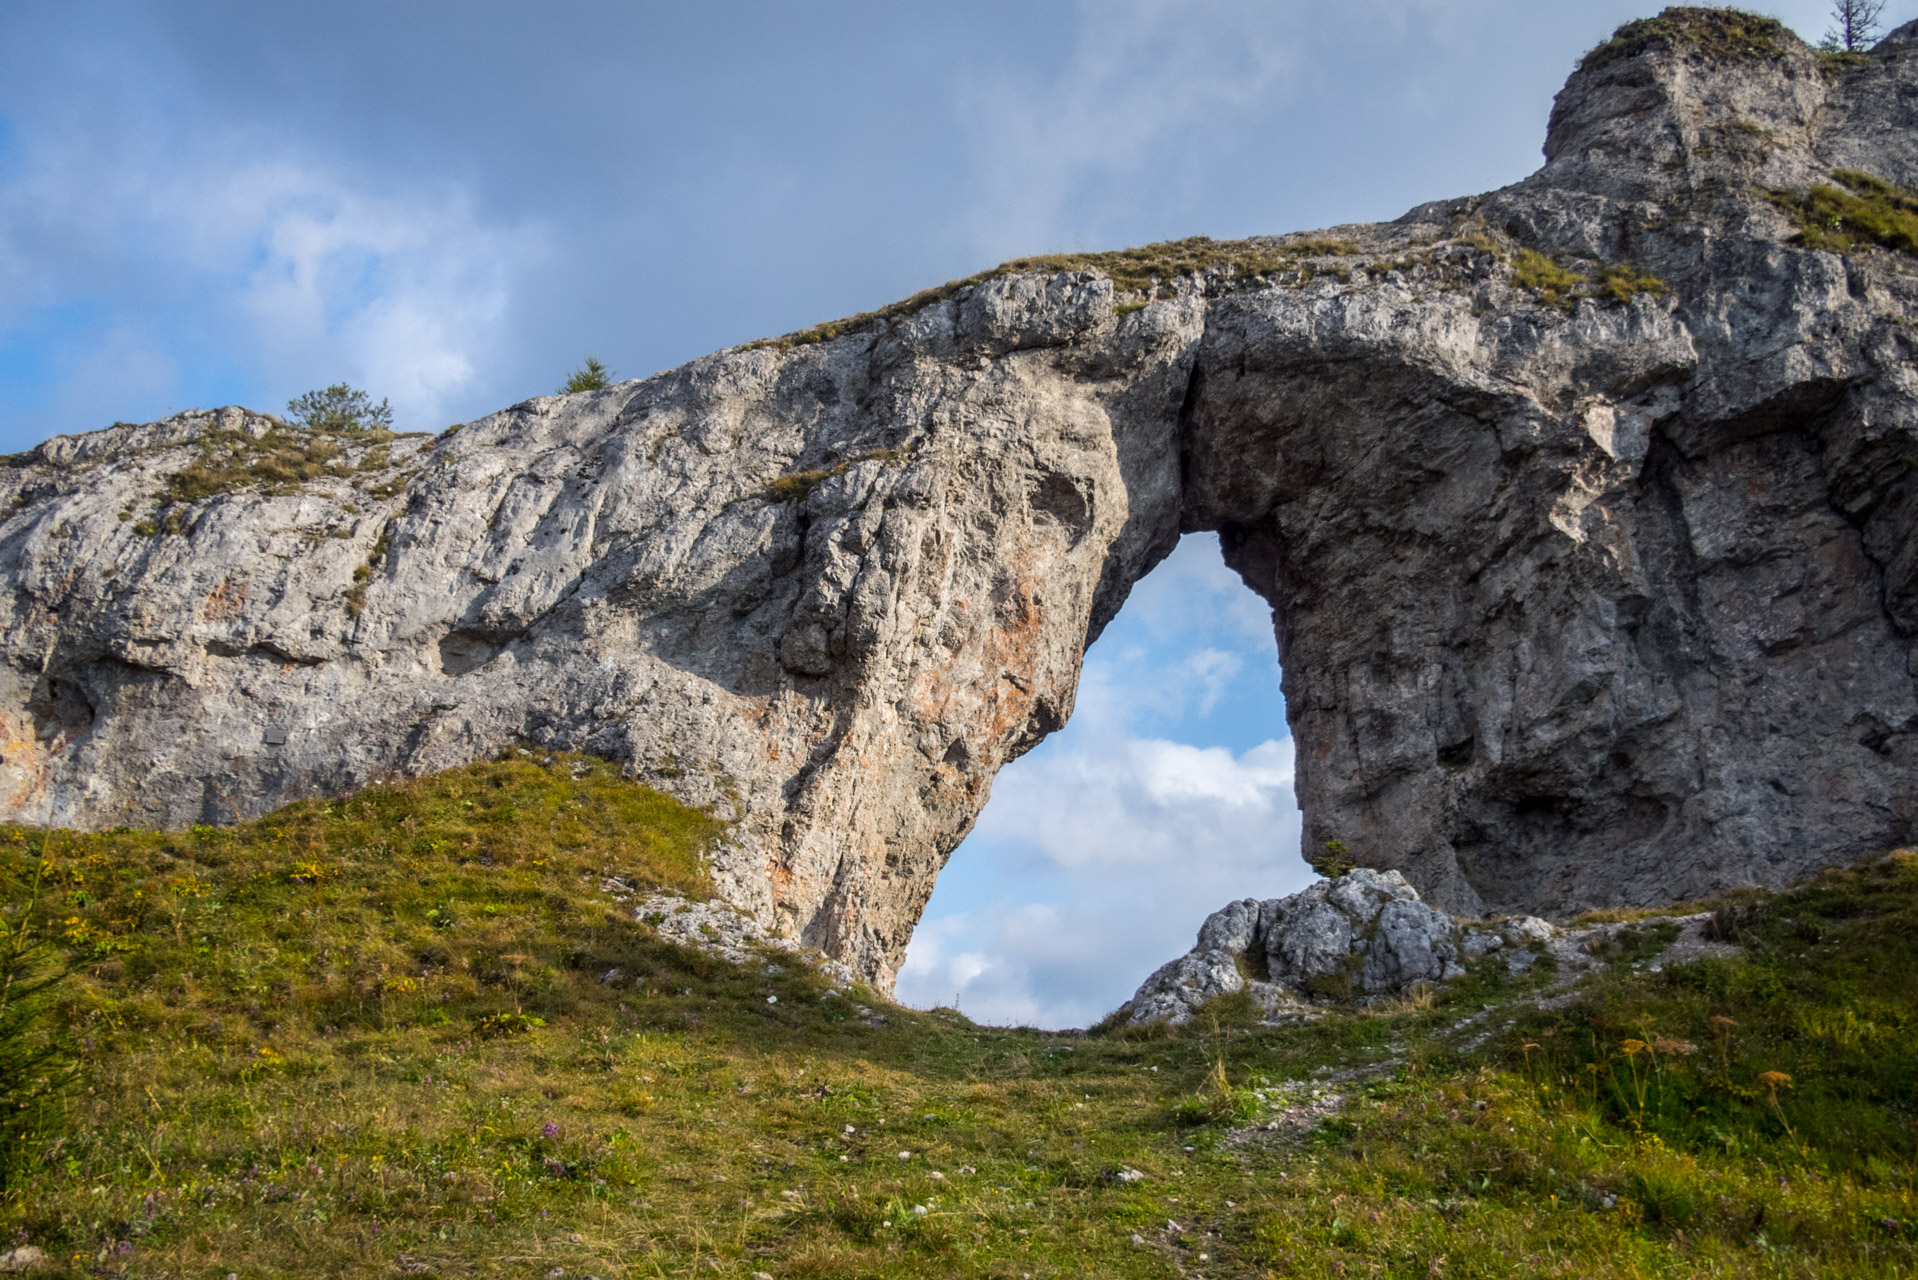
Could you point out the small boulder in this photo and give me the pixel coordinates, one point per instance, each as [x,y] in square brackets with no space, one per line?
[1359,936]
[1175,989]
[1231,928]
[1522,929]
[1365,933]
[1476,944]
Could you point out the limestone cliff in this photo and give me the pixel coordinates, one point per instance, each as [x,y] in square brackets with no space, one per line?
[1585,508]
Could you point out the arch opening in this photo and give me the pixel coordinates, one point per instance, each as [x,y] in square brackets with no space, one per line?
[1167,793]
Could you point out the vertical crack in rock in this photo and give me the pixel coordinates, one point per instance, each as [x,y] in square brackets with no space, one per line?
[1597,588]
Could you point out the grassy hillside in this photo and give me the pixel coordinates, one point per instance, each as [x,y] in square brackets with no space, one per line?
[371,1037]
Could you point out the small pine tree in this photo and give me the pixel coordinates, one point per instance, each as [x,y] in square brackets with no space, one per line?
[339,408]
[591,376]
[1854,25]
[1334,862]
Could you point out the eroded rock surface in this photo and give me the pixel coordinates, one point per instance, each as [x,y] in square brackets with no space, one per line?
[1585,597]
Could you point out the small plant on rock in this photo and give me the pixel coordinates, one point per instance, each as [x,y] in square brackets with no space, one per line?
[591,376]
[1865,210]
[1555,286]
[1622,283]
[339,408]
[1334,862]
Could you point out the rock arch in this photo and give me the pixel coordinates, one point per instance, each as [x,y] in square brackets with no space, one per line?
[1602,593]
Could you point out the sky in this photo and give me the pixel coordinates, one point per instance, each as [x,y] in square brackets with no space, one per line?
[450,203]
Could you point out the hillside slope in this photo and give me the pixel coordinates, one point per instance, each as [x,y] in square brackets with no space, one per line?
[420,1031]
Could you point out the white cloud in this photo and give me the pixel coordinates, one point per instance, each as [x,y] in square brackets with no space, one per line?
[1134,841]
[409,290]
[297,272]
[1192,592]
[1119,801]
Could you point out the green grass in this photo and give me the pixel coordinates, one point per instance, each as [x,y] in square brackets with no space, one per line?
[1863,211]
[1562,287]
[795,485]
[1621,282]
[368,1036]
[280,461]
[1716,32]
[1554,285]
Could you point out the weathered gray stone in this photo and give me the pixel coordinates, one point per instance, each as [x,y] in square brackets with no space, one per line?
[1475,944]
[1176,989]
[1231,928]
[1362,935]
[1526,929]
[1607,604]
[1365,932]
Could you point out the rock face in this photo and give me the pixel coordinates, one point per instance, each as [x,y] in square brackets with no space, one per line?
[1591,589]
[1364,934]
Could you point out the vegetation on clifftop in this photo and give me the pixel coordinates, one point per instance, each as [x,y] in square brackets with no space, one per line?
[1138,270]
[1716,32]
[419,1031]
[590,376]
[336,433]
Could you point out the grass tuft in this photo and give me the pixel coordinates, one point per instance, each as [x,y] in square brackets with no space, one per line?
[1554,285]
[1863,211]
[795,485]
[279,462]
[1622,282]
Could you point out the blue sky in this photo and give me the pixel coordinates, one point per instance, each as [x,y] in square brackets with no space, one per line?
[451,202]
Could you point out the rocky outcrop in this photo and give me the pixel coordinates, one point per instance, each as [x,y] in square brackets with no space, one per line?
[1585,509]
[1359,936]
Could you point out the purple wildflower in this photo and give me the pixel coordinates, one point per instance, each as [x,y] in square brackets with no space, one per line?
[550,1130]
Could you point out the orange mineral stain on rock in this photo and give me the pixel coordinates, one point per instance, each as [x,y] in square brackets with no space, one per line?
[225,602]
[26,766]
